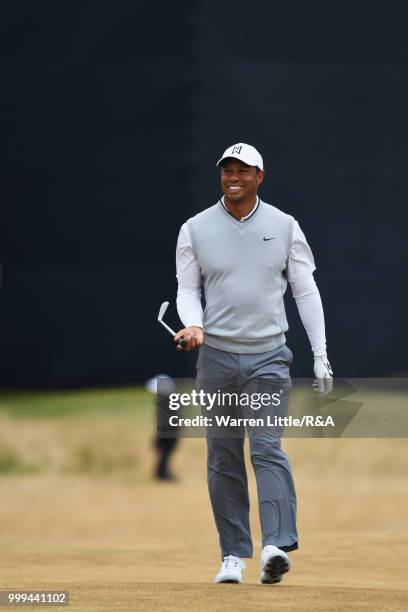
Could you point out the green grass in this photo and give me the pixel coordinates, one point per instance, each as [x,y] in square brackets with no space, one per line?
[11,463]
[96,431]
[134,402]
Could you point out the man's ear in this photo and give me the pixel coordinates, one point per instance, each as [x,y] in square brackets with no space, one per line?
[260,176]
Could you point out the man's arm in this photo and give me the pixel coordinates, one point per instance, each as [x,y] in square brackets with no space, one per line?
[189,305]
[300,275]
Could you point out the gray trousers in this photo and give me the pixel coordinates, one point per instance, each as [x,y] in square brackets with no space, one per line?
[227,479]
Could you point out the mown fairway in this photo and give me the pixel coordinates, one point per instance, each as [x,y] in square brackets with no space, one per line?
[79,512]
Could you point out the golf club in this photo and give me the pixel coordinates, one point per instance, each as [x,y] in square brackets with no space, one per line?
[162,311]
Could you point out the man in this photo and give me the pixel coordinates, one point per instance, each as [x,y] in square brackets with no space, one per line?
[244,251]
[162,386]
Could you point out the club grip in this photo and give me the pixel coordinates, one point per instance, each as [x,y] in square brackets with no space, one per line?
[181,343]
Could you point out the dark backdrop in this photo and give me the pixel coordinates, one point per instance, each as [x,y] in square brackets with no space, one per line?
[113,116]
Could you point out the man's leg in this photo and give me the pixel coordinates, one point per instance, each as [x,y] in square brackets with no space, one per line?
[227,478]
[269,373]
[276,492]
[228,488]
[165,448]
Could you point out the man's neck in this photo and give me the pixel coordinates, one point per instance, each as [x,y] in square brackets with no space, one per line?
[240,209]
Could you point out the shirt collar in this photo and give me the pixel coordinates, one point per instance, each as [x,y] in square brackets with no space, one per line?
[242,219]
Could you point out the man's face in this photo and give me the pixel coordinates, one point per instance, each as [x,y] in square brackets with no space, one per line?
[239,182]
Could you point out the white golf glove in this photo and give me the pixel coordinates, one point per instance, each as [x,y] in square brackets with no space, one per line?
[323,385]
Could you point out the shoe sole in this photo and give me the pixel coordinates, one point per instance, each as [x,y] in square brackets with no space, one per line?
[274,569]
[229,579]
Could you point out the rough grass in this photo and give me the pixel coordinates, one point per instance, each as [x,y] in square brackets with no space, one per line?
[80,512]
[88,431]
[109,431]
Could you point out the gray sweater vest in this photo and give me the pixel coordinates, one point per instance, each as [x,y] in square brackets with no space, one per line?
[243,267]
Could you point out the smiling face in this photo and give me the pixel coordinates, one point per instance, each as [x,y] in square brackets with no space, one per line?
[240,182]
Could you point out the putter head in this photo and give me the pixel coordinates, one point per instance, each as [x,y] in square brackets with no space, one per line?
[162,311]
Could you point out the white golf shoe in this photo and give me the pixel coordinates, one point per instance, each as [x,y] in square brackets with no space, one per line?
[231,570]
[274,563]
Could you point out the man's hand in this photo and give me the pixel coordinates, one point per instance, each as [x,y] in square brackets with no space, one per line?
[193,336]
[323,385]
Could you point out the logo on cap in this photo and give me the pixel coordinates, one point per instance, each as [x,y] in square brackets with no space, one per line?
[236,149]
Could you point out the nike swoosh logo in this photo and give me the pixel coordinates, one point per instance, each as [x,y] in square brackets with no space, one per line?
[271,238]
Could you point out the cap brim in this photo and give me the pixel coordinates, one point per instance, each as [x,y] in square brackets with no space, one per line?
[233,157]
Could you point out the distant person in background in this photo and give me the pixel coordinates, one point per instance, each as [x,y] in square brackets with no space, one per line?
[162,386]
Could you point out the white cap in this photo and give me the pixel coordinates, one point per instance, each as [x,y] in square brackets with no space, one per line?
[245,153]
[160,384]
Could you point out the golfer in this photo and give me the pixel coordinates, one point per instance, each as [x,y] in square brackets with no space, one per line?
[244,251]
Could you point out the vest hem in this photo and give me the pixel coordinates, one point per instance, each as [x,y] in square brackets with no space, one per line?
[246,348]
